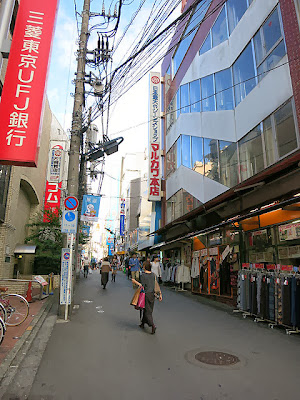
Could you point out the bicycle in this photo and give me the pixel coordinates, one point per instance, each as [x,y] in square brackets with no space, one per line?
[14,308]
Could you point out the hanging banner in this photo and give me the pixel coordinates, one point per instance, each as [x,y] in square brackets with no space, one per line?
[86,230]
[25,80]
[122,217]
[90,208]
[154,187]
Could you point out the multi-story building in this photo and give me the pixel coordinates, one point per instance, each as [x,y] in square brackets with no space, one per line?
[231,126]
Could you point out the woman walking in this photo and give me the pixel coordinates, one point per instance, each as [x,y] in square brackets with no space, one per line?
[114,267]
[105,268]
[147,279]
[155,268]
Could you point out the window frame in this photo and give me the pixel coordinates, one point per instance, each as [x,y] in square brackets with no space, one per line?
[262,37]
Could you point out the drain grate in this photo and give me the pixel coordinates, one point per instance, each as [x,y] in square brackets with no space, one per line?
[216,358]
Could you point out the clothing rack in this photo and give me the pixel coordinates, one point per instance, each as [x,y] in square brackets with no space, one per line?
[280,280]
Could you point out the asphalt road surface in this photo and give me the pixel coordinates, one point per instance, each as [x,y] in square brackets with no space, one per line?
[103,354]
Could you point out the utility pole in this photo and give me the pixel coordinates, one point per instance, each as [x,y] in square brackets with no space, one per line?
[79,99]
[76,132]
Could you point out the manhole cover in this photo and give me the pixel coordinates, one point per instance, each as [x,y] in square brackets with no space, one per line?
[216,358]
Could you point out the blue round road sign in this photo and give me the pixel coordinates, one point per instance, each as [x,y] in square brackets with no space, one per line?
[67,256]
[70,216]
[71,203]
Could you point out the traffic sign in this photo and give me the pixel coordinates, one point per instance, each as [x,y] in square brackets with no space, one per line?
[71,203]
[69,222]
[65,265]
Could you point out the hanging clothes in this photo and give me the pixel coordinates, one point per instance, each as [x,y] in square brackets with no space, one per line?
[195,272]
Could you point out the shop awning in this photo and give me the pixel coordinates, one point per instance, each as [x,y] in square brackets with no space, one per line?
[156,246]
[25,249]
[264,209]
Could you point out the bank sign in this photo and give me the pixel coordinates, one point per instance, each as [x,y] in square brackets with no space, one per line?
[154,186]
[25,80]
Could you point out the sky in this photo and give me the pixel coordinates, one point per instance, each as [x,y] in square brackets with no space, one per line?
[131,110]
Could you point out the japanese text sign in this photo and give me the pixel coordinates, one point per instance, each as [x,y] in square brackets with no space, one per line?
[24,86]
[154,193]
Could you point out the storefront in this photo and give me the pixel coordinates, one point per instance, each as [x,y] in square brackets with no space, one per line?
[215,264]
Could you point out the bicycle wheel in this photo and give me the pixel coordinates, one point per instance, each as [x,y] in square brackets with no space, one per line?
[2,330]
[17,309]
[3,314]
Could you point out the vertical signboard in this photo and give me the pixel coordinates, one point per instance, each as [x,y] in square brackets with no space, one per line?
[65,260]
[25,80]
[122,217]
[154,189]
[54,180]
[90,208]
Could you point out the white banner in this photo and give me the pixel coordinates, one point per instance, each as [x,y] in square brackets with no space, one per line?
[154,189]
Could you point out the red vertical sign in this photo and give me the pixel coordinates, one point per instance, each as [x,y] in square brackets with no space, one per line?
[25,81]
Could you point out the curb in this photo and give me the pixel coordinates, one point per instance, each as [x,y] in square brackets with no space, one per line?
[9,367]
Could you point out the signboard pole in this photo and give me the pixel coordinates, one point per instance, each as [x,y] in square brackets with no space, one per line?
[69,277]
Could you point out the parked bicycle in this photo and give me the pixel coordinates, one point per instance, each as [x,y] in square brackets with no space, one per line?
[14,308]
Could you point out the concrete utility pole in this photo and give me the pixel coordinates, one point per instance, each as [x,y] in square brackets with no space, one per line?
[76,132]
[73,173]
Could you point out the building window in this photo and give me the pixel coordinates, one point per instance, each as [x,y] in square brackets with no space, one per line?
[251,153]
[186,151]
[224,90]
[243,71]
[285,129]
[178,103]
[211,159]
[171,160]
[206,44]
[228,163]
[197,155]
[207,93]
[184,99]
[297,6]
[189,34]
[269,44]
[195,96]
[4,184]
[178,152]
[269,141]
[235,9]
[219,29]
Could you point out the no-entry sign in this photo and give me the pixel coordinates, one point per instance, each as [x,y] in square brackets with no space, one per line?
[71,203]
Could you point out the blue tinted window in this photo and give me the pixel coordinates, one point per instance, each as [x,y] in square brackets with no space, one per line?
[235,10]
[197,155]
[189,33]
[178,103]
[207,93]
[219,29]
[184,99]
[178,151]
[271,60]
[272,31]
[251,154]
[206,45]
[186,150]
[224,91]
[243,71]
[195,96]
[211,159]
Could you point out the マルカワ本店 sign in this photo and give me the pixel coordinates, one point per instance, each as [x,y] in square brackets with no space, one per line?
[154,190]
[25,80]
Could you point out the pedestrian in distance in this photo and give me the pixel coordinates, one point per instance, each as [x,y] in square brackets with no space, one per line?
[86,267]
[156,269]
[105,268]
[134,266]
[147,281]
[114,267]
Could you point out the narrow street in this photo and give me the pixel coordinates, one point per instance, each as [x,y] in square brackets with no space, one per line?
[103,354]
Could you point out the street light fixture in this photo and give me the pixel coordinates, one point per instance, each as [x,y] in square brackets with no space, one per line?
[109,147]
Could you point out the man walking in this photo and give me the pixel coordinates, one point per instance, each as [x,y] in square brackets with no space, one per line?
[86,267]
[134,266]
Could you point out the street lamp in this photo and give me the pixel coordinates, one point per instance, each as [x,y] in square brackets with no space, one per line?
[109,147]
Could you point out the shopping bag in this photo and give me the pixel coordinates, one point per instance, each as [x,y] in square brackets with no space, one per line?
[156,288]
[135,298]
[141,301]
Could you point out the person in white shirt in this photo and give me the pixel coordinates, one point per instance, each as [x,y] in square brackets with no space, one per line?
[155,268]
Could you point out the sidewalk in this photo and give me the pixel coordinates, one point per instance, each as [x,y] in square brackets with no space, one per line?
[15,334]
